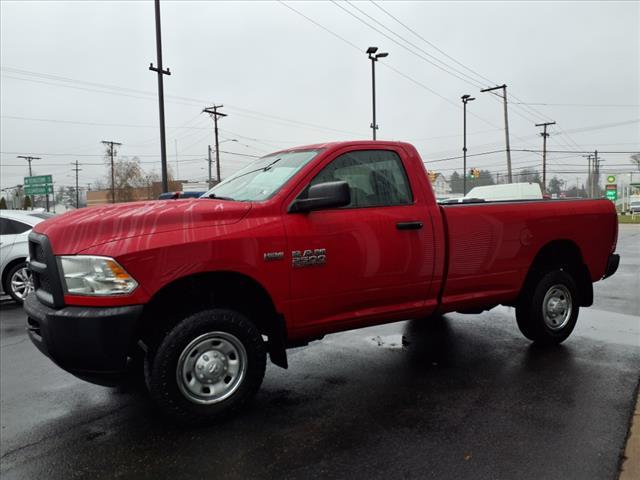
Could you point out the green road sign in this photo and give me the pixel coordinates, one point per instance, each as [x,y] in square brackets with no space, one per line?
[38,189]
[38,180]
[611,179]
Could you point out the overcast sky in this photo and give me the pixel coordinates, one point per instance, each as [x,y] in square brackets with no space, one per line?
[76,73]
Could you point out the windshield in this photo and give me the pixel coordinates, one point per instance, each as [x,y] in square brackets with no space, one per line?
[263,178]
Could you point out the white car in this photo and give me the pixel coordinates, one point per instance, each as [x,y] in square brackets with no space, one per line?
[15,225]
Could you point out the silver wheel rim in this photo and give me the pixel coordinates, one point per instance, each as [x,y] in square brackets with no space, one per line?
[21,283]
[556,307]
[211,368]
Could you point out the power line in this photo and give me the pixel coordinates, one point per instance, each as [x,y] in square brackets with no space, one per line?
[612,105]
[431,44]
[610,152]
[520,104]
[97,124]
[466,80]
[475,81]
[459,157]
[116,90]
[386,65]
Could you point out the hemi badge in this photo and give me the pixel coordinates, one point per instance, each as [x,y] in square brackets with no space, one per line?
[270,256]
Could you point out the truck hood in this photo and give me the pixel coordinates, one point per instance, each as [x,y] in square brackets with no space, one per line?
[80,229]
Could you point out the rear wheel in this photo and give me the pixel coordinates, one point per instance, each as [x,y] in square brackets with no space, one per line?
[548,311]
[18,282]
[208,367]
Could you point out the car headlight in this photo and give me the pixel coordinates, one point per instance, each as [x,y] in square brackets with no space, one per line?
[89,275]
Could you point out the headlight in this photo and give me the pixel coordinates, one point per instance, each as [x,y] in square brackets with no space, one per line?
[88,275]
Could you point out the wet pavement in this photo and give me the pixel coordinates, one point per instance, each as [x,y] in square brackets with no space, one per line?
[463,396]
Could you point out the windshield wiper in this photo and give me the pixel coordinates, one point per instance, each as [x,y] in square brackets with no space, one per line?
[261,169]
[213,195]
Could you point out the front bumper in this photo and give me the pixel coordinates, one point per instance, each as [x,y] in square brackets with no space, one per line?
[92,343]
[612,265]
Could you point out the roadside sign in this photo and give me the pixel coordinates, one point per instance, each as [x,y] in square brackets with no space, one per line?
[611,179]
[38,189]
[38,180]
[611,192]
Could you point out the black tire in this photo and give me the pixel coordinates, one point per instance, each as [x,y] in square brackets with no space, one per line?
[553,323]
[238,367]
[8,287]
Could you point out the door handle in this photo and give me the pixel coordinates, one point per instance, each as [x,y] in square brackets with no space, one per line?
[409,225]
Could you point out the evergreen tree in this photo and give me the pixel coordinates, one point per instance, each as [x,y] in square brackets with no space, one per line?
[3,204]
[455,182]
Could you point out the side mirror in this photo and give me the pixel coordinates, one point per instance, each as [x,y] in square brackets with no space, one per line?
[323,195]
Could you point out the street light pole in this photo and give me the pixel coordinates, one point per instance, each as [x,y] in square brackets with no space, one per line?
[465,100]
[371,52]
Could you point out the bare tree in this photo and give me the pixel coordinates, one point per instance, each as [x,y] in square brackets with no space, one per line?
[128,176]
[635,159]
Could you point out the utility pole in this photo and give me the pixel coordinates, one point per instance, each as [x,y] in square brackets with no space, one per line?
[506,125]
[214,113]
[596,174]
[177,165]
[161,73]
[29,159]
[588,187]
[371,52]
[112,152]
[77,188]
[209,161]
[465,100]
[544,135]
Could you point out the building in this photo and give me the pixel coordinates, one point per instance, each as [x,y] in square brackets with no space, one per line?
[134,194]
[440,184]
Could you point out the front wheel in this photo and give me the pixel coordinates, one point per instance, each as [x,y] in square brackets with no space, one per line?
[208,367]
[548,311]
[19,283]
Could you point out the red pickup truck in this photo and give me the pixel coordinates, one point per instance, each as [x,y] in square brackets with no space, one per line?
[299,244]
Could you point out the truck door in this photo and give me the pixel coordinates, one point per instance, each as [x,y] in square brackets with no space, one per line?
[372,258]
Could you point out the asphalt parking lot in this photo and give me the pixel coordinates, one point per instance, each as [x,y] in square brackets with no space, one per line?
[463,396]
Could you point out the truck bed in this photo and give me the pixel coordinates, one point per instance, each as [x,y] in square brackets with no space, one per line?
[490,245]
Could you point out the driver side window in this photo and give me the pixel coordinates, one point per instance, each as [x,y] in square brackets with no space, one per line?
[375,178]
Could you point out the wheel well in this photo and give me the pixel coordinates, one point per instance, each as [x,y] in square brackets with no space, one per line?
[566,255]
[8,268]
[201,291]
